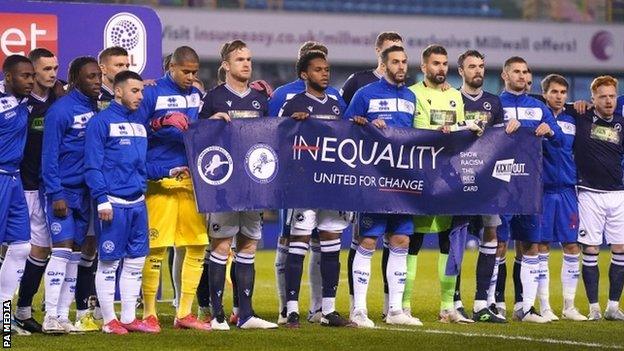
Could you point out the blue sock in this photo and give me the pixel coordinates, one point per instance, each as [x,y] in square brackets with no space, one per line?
[384,264]
[591,276]
[245,275]
[29,285]
[203,288]
[294,270]
[352,250]
[85,282]
[330,266]
[616,276]
[485,268]
[233,280]
[499,295]
[216,270]
[516,280]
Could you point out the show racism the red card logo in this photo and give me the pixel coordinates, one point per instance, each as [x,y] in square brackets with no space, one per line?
[22,32]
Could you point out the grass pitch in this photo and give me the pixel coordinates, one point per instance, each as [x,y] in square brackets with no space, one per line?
[562,335]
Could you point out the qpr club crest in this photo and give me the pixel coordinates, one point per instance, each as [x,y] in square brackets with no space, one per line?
[108,246]
[215,165]
[261,163]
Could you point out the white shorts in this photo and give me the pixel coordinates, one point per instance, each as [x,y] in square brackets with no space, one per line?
[304,221]
[601,214]
[227,224]
[491,220]
[39,234]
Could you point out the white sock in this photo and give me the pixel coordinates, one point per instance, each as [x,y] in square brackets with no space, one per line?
[178,259]
[292,306]
[316,280]
[613,305]
[54,277]
[329,305]
[570,272]
[68,289]
[492,289]
[543,286]
[396,273]
[479,305]
[361,276]
[280,268]
[13,269]
[105,288]
[529,276]
[130,287]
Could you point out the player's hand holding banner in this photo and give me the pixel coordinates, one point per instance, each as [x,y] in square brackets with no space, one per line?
[270,163]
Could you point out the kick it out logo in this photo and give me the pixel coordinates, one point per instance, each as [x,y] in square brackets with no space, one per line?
[215,165]
[127,31]
[505,169]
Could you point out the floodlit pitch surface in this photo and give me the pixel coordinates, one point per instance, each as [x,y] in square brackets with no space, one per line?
[562,335]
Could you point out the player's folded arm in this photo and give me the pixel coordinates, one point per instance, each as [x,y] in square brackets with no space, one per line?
[55,124]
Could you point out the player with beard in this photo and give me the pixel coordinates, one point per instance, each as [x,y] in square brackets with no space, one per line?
[112,60]
[531,113]
[68,203]
[436,109]
[19,81]
[235,99]
[314,103]
[359,79]
[485,110]
[41,98]
[277,100]
[386,103]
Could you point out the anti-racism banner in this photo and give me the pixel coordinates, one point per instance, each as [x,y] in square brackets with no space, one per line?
[72,30]
[270,163]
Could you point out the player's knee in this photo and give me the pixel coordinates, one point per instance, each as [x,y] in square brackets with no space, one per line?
[592,250]
[65,244]
[327,235]
[617,248]
[246,245]
[300,239]
[571,248]
[530,249]
[39,252]
[398,240]
[544,248]
[368,243]
[489,234]
[89,245]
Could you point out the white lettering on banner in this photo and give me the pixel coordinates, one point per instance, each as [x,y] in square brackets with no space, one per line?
[354,153]
[349,37]
[505,169]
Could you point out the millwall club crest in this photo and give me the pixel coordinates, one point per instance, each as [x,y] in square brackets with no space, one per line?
[487,106]
[261,163]
[215,165]
[255,104]
[336,109]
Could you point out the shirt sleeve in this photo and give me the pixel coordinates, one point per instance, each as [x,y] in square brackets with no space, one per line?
[549,118]
[357,107]
[95,143]
[207,110]
[55,125]
[348,89]
[276,102]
